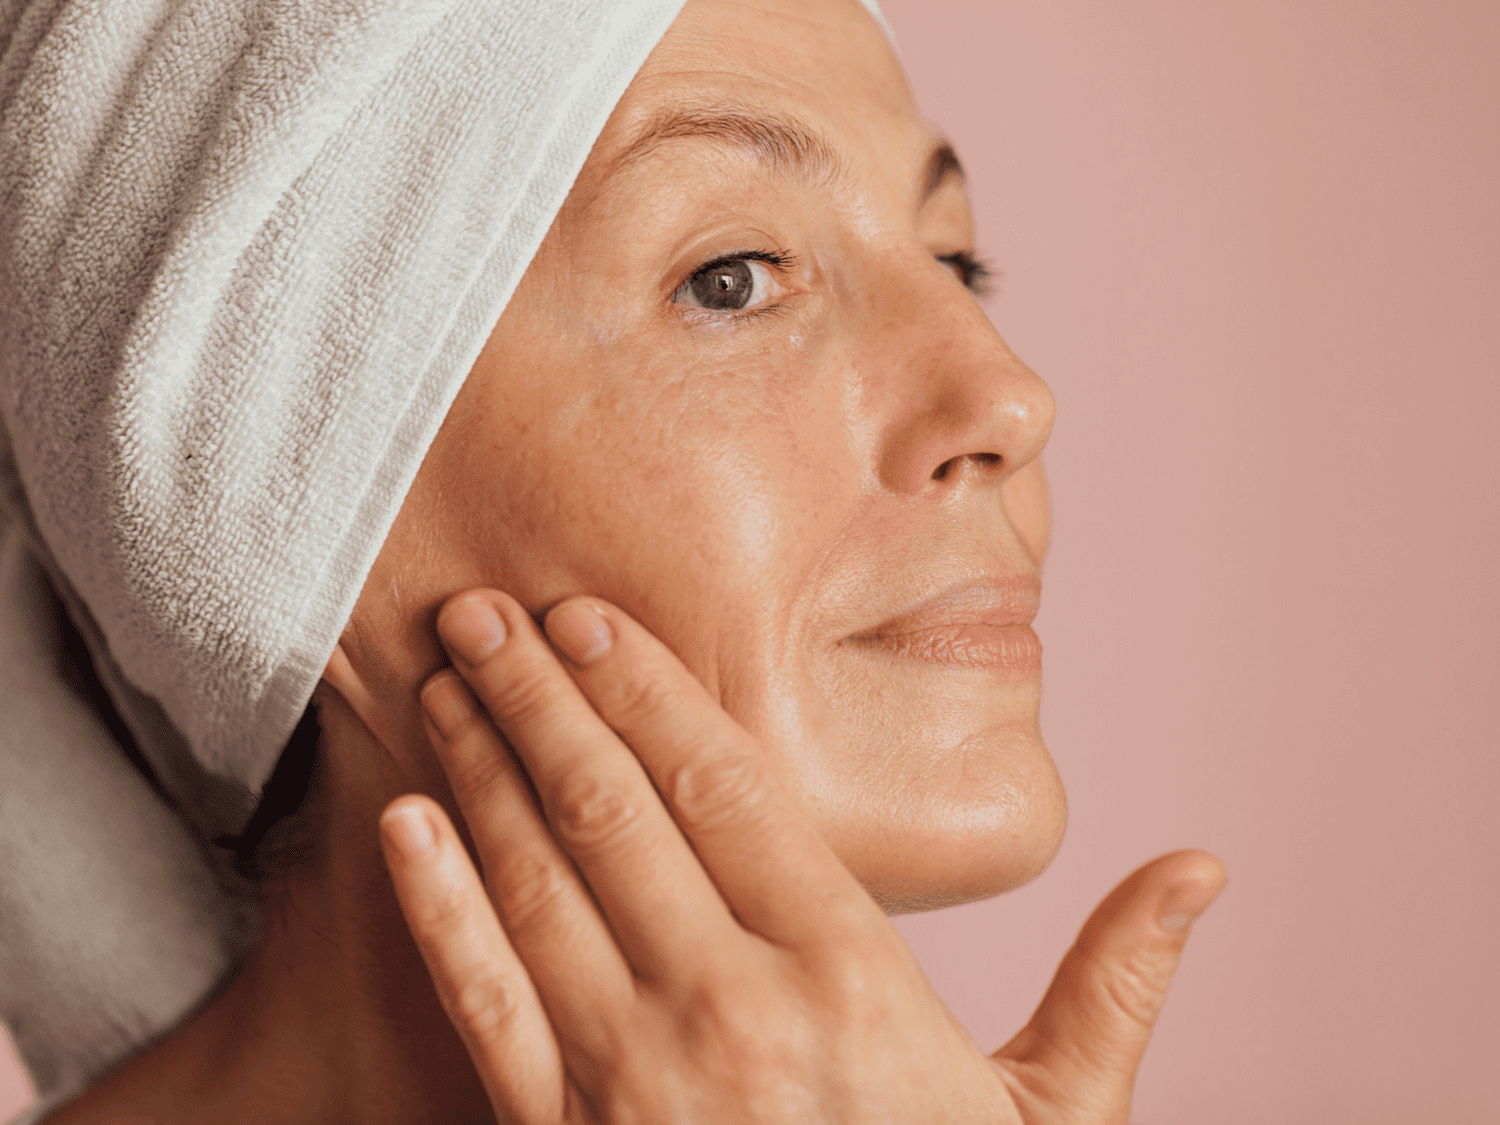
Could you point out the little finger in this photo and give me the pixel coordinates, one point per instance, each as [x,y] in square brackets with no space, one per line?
[480,981]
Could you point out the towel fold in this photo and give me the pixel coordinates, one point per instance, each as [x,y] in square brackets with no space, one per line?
[249,249]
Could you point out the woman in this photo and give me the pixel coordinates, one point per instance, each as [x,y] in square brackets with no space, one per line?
[745,446]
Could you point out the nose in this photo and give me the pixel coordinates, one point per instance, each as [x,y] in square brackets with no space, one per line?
[962,405]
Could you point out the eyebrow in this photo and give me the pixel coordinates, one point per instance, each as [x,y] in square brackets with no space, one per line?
[787,146]
[783,144]
[942,163]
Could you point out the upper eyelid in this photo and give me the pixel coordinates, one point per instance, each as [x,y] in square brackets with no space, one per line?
[782,259]
[978,272]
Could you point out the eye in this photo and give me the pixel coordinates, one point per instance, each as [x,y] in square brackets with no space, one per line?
[973,272]
[729,284]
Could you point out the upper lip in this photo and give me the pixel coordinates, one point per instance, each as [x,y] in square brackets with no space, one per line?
[987,600]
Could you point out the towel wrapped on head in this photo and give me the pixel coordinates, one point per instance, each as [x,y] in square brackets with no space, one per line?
[249,250]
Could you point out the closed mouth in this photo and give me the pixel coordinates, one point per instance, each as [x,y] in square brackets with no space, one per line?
[983,623]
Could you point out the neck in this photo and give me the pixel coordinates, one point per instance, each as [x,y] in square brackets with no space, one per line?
[333,1018]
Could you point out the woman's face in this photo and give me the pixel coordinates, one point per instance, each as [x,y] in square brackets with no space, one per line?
[741,394]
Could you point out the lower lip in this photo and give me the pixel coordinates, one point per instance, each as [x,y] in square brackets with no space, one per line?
[1015,649]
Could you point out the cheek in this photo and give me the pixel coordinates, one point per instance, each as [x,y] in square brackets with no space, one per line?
[693,494]
[703,498]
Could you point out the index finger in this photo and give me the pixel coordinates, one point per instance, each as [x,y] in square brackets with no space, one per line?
[780,877]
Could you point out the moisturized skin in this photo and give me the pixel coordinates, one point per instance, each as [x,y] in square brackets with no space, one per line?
[777,491]
[747,446]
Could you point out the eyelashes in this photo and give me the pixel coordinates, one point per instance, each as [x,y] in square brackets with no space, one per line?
[976,273]
[739,281]
[783,260]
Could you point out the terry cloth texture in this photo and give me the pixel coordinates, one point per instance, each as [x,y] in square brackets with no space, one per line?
[101,886]
[249,249]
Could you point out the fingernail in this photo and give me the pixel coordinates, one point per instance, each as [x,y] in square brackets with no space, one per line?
[407,827]
[580,631]
[447,702]
[473,628]
[1183,903]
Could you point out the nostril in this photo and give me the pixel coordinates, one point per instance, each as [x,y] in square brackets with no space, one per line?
[984,460]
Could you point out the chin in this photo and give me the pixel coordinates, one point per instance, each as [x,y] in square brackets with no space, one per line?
[986,819]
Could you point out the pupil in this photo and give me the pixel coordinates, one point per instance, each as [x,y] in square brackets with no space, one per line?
[728,286]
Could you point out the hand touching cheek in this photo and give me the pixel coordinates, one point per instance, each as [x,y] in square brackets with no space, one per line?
[660,932]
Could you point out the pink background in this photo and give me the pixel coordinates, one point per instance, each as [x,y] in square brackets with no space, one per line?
[1255,248]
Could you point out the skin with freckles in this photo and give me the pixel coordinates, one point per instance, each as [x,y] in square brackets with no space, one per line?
[759,486]
[744,398]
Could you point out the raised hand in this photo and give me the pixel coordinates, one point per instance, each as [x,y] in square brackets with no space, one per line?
[662,935]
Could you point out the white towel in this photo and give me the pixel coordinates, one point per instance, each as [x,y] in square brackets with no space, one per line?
[102,885]
[249,249]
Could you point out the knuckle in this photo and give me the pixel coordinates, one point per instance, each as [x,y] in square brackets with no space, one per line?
[485,1006]
[529,889]
[640,700]
[522,694]
[715,787]
[440,913]
[851,982]
[744,1023]
[635,1088]
[475,780]
[588,812]
[1133,990]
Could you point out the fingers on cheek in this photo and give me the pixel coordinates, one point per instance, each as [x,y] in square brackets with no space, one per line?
[451,713]
[721,790]
[721,785]
[493,644]
[473,626]
[643,692]
[527,878]
[624,670]
[516,681]
[581,629]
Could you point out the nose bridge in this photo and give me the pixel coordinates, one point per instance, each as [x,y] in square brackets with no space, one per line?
[958,397]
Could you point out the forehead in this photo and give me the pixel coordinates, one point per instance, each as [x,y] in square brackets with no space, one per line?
[821,70]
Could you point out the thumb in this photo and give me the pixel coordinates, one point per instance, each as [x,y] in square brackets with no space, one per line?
[1076,1059]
